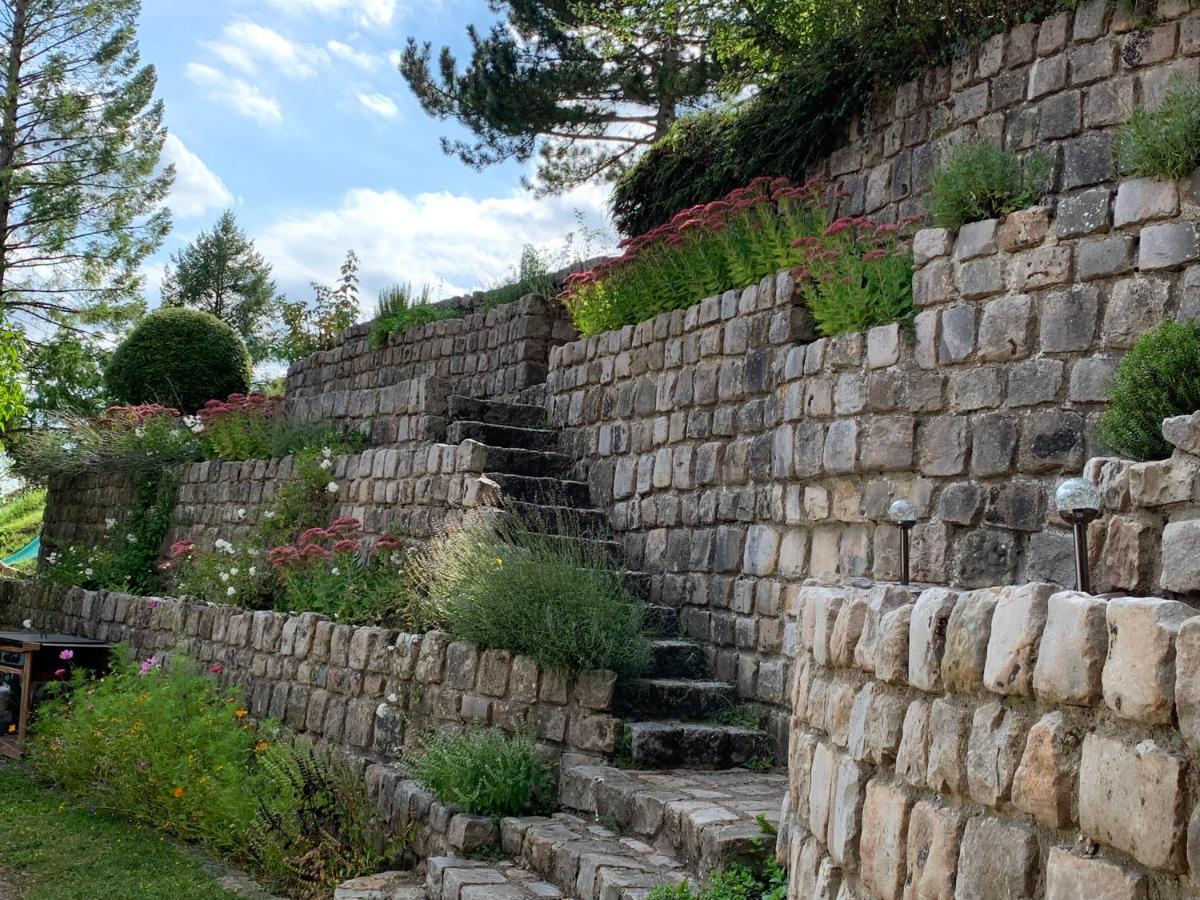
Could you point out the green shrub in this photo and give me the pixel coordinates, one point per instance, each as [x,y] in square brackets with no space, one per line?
[556,600]
[1157,379]
[130,439]
[765,881]
[1163,142]
[179,357]
[485,772]
[982,181]
[400,308]
[164,747]
[315,825]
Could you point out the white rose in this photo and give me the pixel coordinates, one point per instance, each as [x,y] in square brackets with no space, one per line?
[332,487]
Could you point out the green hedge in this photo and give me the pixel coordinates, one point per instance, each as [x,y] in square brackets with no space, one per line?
[178,357]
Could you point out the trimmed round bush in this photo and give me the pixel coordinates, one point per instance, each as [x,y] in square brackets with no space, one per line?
[1157,379]
[179,357]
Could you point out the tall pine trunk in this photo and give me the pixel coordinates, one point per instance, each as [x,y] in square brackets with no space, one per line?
[8,131]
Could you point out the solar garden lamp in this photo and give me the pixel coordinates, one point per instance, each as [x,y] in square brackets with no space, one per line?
[1078,502]
[903,514]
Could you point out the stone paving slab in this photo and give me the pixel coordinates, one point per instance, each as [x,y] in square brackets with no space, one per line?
[704,818]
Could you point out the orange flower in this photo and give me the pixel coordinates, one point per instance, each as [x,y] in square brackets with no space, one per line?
[241,712]
[261,746]
[177,793]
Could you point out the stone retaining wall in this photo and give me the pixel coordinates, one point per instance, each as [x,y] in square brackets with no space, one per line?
[1059,86]
[406,412]
[488,355]
[734,458]
[1005,742]
[370,691]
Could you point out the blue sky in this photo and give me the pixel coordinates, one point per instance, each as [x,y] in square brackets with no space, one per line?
[292,113]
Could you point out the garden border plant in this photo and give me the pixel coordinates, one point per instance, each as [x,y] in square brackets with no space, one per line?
[978,181]
[1163,142]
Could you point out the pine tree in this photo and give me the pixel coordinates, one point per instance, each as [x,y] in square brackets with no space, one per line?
[221,273]
[80,138]
[586,86]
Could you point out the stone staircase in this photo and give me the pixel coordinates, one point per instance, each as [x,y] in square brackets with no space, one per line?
[671,710]
[623,834]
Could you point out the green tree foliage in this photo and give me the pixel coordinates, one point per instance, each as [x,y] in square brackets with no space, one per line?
[80,138]
[221,273]
[309,327]
[1157,379]
[585,86]
[178,357]
[12,393]
[818,63]
[66,376]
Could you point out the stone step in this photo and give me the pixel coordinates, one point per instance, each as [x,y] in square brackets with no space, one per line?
[695,745]
[518,461]
[590,550]
[673,698]
[662,620]
[496,412]
[674,658]
[567,520]
[705,819]
[502,435]
[543,491]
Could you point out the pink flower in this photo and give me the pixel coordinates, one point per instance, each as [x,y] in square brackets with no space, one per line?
[67,654]
[149,663]
[216,668]
[143,765]
[60,673]
[152,604]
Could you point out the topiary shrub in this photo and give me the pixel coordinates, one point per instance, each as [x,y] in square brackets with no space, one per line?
[1163,142]
[980,181]
[180,357]
[1157,379]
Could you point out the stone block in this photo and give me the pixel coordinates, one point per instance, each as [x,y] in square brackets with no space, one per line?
[1139,674]
[1168,246]
[1034,381]
[994,751]
[1132,797]
[981,278]
[1024,229]
[993,443]
[927,637]
[1044,267]
[845,819]
[1051,441]
[1089,382]
[1087,212]
[934,833]
[912,756]
[891,647]
[967,636]
[1144,199]
[997,859]
[943,443]
[957,339]
[1068,319]
[930,244]
[1131,552]
[1016,632]
[1071,877]
[950,729]
[1104,258]
[1187,679]
[1007,329]
[1045,780]
[1183,432]
[884,839]
[976,239]
[1163,482]
[1073,649]
[822,774]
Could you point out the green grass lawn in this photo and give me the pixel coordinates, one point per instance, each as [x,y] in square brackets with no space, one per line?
[53,850]
[20,520]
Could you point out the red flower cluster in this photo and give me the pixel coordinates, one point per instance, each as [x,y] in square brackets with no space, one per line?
[750,206]
[255,404]
[127,417]
[179,550]
[343,535]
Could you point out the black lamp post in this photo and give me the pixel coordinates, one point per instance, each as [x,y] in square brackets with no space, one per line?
[1078,502]
[904,514]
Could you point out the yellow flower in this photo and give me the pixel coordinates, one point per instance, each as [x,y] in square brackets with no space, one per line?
[261,746]
[12,729]
[177,793]
[191,758]
[241,712]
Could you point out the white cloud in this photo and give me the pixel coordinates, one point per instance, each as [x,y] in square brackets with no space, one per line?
[451,242]
[368,62]
[244,97]
[366,12]
[197,188]
[244,45]
[380,105]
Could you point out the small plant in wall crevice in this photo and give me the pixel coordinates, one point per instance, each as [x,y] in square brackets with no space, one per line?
[1163,142]
[978,181]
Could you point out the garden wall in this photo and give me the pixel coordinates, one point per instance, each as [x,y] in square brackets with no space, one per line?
[1060,86]
[1003,742]
[406,412]
[416,490]
[496,354]
[370,691]
[735,459]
